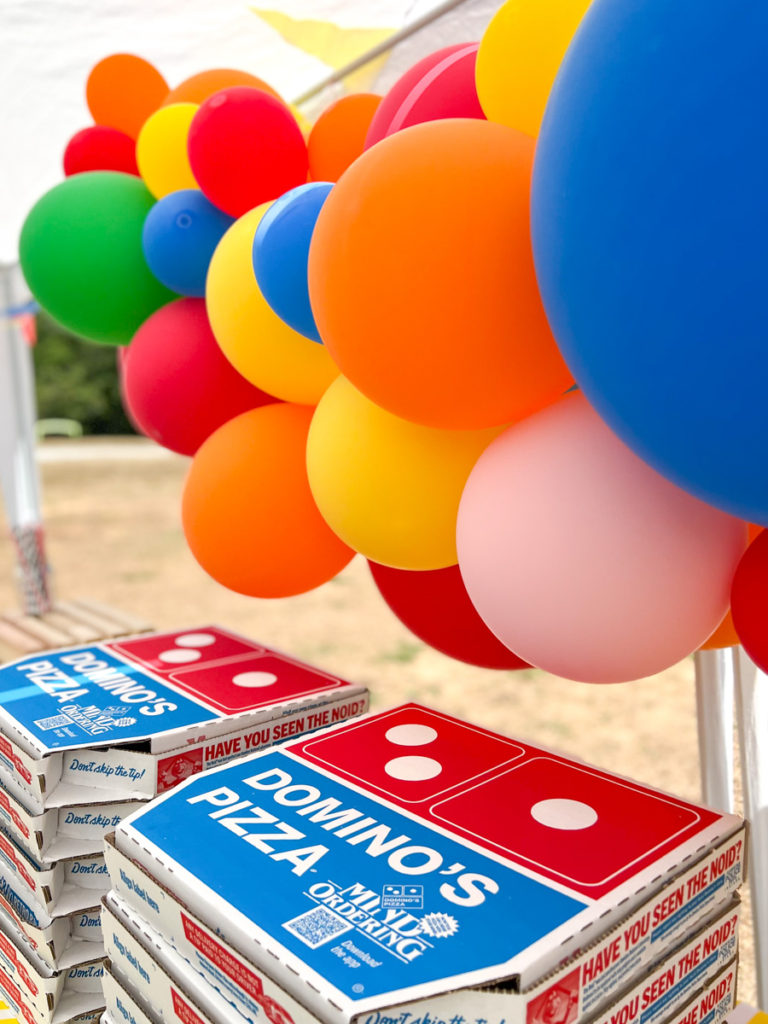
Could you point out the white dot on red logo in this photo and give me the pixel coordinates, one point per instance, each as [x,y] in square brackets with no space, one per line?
[195,640]
[254,679]
[569,815]
[411,735]
[413,768]
[179,656]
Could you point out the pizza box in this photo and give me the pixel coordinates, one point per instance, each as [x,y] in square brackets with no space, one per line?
[141,961]
[133,717]
[60,888]
[49,936]
[671,984]
[122,1006]
[714,1004]
[60,832]
[409,857]
[603,967]
[41,994]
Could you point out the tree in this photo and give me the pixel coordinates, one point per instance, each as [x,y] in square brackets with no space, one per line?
[77,380]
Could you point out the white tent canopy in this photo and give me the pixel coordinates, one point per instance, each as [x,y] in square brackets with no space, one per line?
[48,48]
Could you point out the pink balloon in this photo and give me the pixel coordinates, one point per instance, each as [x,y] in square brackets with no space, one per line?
[585,561]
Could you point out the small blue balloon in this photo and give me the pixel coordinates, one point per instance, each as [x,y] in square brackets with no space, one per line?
[649,223]
[281,253]
[180,234]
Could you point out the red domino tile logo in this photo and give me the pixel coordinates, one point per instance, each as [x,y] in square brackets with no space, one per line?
[568,822]
[225,673]
[411,755]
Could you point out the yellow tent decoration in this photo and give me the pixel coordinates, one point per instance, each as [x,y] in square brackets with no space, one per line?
[332,44]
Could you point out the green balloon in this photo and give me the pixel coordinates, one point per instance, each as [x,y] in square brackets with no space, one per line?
[81,254]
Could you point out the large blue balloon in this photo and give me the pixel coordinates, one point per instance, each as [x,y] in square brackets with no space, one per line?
[180,234]
[281,252]
[650,230]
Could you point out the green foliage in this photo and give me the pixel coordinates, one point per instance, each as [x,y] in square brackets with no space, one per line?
[77,380]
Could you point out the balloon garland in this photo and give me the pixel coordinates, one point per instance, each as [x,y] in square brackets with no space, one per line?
[500,331]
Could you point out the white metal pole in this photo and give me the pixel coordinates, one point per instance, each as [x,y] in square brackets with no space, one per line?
[18,469]
[715,717]
[752,714]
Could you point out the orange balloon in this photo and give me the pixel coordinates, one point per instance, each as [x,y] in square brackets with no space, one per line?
[338,136]
[204,84]
[123,90]
[422,282]
[724,636]
[247,511]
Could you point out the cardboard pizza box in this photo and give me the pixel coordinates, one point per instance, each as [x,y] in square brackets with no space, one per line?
[49,935]
[132,717]
[682,974]
[142,962]
[408,858]
[714,1003]
[60,888]
[40,994]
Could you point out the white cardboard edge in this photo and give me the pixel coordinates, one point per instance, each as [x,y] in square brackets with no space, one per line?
[137,953]
[42,995]
[671,984]
[61,888]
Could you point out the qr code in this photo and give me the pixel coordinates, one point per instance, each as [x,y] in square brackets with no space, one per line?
[55,722]
[317,926]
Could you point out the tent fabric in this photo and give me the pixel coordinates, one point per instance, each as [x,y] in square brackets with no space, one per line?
[47,48]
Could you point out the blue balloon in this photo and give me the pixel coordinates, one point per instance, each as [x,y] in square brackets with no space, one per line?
[650,232]
[281,252]
[181,232]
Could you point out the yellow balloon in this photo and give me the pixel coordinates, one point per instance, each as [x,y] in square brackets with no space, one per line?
[161,149]
[303,122]
[260,346]
[519,55]
[389,488]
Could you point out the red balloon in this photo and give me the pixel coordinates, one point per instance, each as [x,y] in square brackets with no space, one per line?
[177,385]
[436,607]
[245,148]
[749,600]
[100,148]
[441,85]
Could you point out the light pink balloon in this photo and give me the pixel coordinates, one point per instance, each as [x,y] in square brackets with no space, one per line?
[582,559]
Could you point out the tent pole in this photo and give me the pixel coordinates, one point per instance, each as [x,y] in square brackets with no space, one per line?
[18,469]
[752,712]
[715,719]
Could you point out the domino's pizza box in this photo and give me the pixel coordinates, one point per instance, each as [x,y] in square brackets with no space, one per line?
[714,1003]
[60,832]
[133,717]
[591,977]
[122,1006]
[409,856]
[49,936]
[43,995]
[142,961]
[59,888]
[671,984]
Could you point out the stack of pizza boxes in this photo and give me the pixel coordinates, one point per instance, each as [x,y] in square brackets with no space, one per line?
[87,736]
[410,868]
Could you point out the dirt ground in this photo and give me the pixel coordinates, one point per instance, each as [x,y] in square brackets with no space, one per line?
[113,534]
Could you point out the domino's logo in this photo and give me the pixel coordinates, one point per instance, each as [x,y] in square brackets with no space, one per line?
[411,896]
